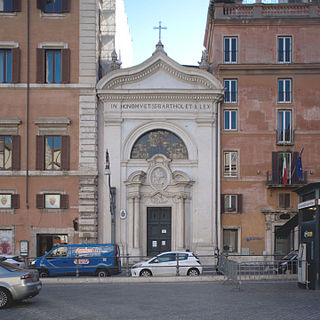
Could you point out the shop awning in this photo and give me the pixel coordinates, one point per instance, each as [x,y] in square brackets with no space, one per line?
[287,227]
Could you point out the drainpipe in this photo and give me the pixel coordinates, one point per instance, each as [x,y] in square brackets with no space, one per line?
[217,177]
[28,103]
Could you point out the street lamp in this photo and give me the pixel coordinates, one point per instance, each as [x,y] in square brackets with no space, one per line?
[112,196]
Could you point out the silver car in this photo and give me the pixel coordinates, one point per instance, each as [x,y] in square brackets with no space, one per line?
[183,263]
[15,260]
[17,284]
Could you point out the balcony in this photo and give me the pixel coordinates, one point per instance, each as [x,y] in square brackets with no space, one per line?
[224,11]
[294,182]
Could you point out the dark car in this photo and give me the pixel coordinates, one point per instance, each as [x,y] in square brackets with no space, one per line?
[17,283]
[288,264]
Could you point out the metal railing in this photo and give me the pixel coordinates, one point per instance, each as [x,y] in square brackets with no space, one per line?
[237,268]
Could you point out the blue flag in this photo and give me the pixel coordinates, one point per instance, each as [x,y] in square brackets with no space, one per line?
[299,168]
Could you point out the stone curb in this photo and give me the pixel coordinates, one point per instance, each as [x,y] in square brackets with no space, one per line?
[68,280]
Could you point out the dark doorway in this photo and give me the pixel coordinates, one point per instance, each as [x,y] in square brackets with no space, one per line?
[45,242]
[158,230]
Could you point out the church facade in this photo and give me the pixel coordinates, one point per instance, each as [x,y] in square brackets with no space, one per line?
[158,139]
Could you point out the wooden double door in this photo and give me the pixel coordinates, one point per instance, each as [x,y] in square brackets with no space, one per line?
[158,230]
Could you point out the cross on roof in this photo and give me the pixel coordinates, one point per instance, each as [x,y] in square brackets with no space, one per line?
[160,28]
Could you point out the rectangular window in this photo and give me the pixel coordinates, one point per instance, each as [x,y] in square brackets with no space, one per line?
[53,6]
[230,203]
[6,5]
[284,200]
[230,94]
[230,164]
[230,240]
[284,126]
[9,201]
[284,49]
[5,66]
[52,153]
[288,166]
[230,49]
[230,120]
[284,90]
[5,153]
[53,66]
[52,201]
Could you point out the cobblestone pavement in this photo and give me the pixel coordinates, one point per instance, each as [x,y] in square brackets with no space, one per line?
[168,301]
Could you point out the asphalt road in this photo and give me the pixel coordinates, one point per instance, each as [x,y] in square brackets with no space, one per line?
[166,301]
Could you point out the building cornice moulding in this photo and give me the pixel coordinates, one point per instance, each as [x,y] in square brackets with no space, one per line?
[159,97]
[299,68]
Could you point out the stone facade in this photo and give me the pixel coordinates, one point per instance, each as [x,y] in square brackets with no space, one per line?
[160,94]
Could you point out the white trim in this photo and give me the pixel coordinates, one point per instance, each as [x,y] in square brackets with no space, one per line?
[52,45]
[8,44]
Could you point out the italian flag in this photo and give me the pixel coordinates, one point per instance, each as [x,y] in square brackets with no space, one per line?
[284,169]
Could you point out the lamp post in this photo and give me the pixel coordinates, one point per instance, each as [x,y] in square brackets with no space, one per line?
[112,196]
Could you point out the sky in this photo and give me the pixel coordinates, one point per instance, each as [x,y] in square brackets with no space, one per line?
[185,21]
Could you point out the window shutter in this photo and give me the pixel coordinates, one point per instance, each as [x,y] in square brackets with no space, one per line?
[281,200]
[65,6]
[275,168]
[40,153]
[16,161]
[284,200]
[40,201]
[222,203]
[41,4]
[40,65]
[65,65]
[239,203]
[65,153]
[64,201]
[295,177]
[15,65]
[16,5]
[15,201]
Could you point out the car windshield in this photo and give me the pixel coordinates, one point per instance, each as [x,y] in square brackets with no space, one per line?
[9,266]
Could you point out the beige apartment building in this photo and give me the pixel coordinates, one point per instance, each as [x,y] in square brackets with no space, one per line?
[49,54]
[268,58]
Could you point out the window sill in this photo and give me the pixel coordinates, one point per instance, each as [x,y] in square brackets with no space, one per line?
[53,15]
[52,210]
[282,143]
[8,14]
[7,210]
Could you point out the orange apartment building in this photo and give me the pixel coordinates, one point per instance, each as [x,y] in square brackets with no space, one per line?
[39,124]
[52,54]
[268,57]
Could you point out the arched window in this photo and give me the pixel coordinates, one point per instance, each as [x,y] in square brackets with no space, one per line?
[159,141]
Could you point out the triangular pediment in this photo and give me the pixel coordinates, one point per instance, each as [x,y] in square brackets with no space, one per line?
[159,73]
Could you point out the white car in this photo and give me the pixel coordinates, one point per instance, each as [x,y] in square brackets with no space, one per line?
[169,264]
[15,260]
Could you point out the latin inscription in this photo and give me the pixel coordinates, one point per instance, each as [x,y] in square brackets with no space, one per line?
[161,107]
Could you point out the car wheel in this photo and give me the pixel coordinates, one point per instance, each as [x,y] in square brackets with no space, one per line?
[193,272]
[102,273]
[43,274]
[5,298]
[145,273]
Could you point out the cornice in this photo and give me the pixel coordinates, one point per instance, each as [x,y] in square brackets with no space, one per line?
[160,97]
[132,78]
[296,68]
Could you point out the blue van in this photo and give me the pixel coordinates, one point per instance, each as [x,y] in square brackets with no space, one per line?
[91,259]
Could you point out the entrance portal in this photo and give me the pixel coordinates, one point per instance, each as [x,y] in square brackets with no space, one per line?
[158,230]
